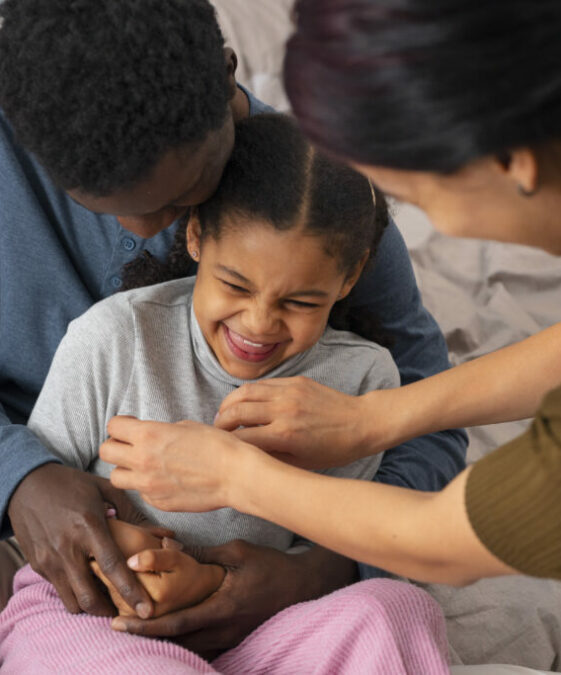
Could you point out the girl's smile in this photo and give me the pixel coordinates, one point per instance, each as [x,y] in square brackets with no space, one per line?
[248,350]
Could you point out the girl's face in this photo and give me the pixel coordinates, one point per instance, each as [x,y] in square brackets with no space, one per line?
[261,295]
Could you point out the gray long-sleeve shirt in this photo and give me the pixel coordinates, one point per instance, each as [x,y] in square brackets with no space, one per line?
[142,353]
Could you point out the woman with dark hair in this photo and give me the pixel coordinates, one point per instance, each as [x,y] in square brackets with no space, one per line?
[454,106]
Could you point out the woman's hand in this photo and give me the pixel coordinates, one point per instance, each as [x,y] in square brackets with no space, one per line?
[304,423]
[185,466]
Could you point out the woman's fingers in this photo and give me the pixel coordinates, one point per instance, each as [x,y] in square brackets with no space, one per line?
[259,392]
[124,428]
[116,452]
[183,466]
[244,414]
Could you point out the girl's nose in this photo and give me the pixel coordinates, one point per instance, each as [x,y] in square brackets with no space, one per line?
[261,321]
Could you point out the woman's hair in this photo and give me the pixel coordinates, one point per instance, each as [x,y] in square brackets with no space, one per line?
[100,90]
[275,176]
[425,85]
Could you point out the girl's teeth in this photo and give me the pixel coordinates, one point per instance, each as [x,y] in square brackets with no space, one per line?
[252,344]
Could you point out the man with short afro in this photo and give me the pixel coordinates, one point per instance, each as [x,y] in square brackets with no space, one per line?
[99,93]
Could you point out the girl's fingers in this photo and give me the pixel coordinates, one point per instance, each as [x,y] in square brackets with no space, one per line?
[163,533]
[155,560]
[168,542]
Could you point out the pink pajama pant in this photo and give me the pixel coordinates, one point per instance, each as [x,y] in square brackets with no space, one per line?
[377,626]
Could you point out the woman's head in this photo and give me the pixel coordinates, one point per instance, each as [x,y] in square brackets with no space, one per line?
[435,88]
[283,239]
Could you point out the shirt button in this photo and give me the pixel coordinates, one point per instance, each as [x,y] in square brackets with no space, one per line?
[116,282]
[128,244]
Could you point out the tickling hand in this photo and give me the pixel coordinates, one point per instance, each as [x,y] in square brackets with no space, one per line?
[299,421]
[185,466]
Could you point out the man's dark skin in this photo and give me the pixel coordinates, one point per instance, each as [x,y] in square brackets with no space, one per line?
[58,513]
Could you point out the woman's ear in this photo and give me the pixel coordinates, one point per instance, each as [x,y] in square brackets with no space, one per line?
[521,167]
[194,235]
[353,277]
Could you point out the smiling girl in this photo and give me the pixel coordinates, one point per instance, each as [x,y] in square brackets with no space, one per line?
[279,246]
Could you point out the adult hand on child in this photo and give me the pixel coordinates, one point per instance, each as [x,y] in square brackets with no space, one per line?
[58,517]
[259,582]
[304,423]
[183,466]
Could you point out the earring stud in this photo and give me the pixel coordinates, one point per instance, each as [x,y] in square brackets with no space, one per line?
[194,254]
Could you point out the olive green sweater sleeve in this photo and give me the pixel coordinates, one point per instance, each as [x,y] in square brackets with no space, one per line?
[513,496]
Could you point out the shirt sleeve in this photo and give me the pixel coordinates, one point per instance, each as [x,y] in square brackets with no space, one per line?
[513,496]
[86,382]
[20,453]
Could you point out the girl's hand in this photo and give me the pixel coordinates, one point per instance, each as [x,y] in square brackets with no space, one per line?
[302,422]
[173,579]
[185,466]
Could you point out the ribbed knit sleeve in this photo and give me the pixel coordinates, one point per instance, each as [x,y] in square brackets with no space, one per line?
[513,496]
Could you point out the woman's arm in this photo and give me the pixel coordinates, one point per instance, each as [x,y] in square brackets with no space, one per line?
[297,416]
[505,385]
[512,499]
[424,536]
[188,466]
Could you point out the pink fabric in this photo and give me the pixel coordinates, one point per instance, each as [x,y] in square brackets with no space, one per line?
[377,626]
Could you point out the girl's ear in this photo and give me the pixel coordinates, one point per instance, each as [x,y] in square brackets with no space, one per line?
[353,277]
[194,235]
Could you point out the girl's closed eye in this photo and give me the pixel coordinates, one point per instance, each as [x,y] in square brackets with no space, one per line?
[234,287]
[301,304]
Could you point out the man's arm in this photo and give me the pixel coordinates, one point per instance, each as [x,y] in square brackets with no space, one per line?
[21,453]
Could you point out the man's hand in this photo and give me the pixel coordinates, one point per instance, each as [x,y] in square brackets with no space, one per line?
[259,582]
[302,422]
[58,516]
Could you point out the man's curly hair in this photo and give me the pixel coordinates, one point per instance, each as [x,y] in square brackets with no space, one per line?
[99,90]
